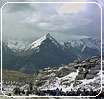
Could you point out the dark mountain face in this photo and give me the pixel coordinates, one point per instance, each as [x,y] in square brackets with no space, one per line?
[50,54]
[8,57]
[45,52]
[88,52]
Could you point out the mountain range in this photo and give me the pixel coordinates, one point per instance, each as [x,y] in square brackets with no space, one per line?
[46,52]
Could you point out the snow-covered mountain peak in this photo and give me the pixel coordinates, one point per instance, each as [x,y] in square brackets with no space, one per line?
[38,42]
[17,45]
[48,36]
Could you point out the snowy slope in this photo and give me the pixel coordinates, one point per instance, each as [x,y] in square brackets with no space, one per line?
[58,82]
[86,83]
[85,42]
[71,76]
[16,45]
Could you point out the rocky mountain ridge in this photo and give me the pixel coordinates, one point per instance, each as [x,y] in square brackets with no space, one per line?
[80,74]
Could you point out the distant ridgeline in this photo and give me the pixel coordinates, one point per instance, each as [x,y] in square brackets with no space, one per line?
[47,52]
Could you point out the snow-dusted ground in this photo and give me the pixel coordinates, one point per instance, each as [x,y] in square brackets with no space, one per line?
[59,83]
[8,89]
[91,83]
[68,78]
[66,82]
[94,83]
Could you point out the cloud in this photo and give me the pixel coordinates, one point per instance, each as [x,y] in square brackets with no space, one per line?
[15,8]
[71,8]
[28,20]
[53,21]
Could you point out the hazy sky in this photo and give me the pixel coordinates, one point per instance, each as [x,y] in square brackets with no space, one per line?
[62,21]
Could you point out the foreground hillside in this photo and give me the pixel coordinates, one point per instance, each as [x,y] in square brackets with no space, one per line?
[80,74]
[16,78]
[77,75]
